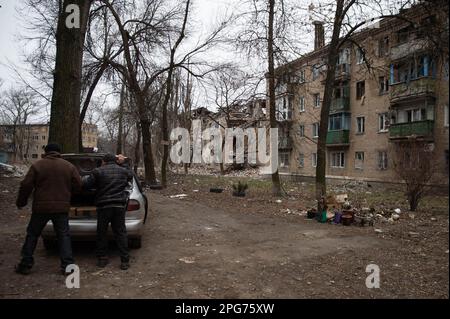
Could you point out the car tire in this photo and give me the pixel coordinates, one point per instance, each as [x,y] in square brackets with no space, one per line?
[49,244]
[135,243]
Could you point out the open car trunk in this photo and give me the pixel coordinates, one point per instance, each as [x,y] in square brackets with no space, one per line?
[83,204]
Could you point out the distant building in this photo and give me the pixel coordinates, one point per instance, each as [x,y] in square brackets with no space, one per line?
[27,142]
[405,95]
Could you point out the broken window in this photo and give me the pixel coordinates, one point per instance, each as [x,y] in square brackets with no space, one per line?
[360,124]
[360,89]
[383,83]
[383,47]
[383,122]
[359,160]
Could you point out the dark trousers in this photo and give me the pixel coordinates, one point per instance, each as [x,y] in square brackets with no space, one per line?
[115,216]
[61,227]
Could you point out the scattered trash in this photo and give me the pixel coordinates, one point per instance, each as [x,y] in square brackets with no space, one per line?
[216,190]
[178,196]
[378,231]
[187,260]
[195,190]
[395,216]
[279,201]
[397,211]
[433,219]
[413,234]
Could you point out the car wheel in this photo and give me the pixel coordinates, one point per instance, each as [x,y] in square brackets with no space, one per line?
[135,243]
[49,244]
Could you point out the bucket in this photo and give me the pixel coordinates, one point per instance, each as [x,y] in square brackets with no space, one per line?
[311,214]
[337,217]
[347,220]
[322,217]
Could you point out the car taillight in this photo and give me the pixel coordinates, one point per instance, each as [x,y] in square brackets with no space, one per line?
[133,205]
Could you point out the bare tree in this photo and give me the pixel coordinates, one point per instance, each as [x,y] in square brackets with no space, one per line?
[349,17]
[266,34]
[414,163]
[15,110]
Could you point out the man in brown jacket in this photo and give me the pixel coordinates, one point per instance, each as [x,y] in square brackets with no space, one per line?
[53,180]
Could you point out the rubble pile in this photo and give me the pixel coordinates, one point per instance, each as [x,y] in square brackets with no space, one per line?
[7,170]
[339,210]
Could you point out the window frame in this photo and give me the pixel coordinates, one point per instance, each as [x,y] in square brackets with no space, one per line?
[360,89]
[359,160]
[316,100]
[358,131]
[314,159]
[301,160]
[382,161]
[314,126]
[385,128]
[340,157]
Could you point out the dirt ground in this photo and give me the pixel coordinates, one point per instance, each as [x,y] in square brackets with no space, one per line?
[210,245]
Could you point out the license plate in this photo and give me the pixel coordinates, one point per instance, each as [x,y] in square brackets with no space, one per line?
[83,212]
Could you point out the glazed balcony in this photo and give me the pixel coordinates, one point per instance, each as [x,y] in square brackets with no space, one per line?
[338,138]
[340,105]
[421,129]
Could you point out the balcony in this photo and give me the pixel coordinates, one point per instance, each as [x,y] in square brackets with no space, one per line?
[342,72]
[422,129]
[408,48]
[340,105]
[421,87]
[285,143]
[338,138]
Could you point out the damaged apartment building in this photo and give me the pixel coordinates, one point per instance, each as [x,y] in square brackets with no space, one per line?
[403,94]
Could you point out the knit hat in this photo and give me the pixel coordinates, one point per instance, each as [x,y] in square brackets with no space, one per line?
[107,158]
[52,147]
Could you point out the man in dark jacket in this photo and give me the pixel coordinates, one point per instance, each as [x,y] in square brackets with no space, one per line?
[53,181]
[111,183]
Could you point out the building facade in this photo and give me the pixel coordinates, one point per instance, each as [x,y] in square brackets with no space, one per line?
[27,142]
[403,94]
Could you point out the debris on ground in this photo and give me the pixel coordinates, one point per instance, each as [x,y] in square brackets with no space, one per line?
[12,170]
[178,196]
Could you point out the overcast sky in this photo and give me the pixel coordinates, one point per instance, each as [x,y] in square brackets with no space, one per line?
[205,12]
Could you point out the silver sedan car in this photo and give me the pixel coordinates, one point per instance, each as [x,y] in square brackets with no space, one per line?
[83,213]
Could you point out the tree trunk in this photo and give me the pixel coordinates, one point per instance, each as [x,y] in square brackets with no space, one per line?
[332,59]
[149,164]
[137,148]
[165,133]
[65,104]
[276,185]
[119,148]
